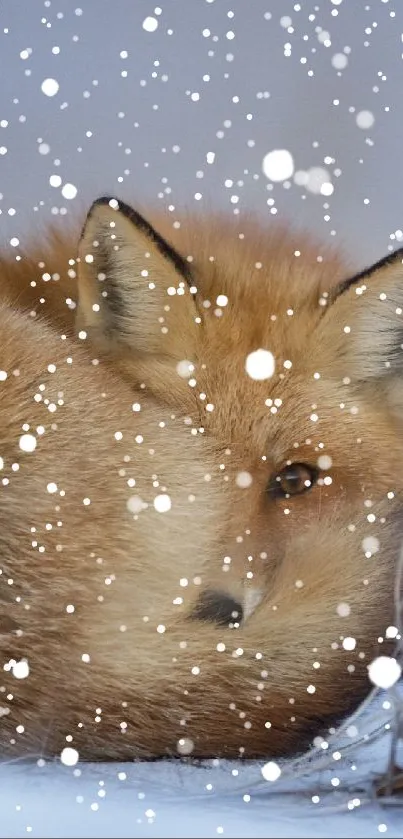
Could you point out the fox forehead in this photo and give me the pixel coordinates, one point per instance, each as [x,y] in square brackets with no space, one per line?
[256,289]
[259,289]
[268,277]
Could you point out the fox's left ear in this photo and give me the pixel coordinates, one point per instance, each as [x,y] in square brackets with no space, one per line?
[365,316]
[134,289]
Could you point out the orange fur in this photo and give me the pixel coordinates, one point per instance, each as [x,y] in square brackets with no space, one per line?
[132,670]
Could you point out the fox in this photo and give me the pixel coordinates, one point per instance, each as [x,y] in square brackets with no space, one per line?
[201,487]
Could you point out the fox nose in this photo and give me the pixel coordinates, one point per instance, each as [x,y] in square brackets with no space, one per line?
[218,607]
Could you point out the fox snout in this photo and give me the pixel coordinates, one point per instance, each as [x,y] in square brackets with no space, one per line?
[219,608]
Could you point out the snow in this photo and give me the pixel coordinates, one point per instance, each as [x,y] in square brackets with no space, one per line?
[69,756]
[135,504]
[271,771]
[243,480]
[69,191]
[384,671]
[50,87]
[185,369]
[339,61]
[306,797]
[20,669]
[260,364]
[278,165]
[150,24]
[27,443]
[365,119]
[162,503]
[370,545]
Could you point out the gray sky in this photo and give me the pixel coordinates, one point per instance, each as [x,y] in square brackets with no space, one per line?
[137,111]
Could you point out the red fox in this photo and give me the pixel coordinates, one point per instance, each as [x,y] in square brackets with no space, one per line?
[201,477]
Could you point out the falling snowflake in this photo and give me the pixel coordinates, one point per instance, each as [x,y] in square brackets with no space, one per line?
[370,545]
[384,671]
[69,756]
[135,504]
[271,771]
[150,24]
[339,61]
[260,364]
[162,503]
[27,443]
[324,462]
[20,669]
[365,119]
[243,480]
[184,369]
[50,87]
[278,165]
[69,191]
[185,746]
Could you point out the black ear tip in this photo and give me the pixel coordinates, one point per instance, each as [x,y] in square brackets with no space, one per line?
[114,204]
[106,199]
[123,209]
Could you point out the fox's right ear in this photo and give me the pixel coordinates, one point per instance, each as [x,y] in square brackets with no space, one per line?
[364,316]
[134,289]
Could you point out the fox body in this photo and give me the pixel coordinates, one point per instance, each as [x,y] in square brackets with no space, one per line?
[187,535]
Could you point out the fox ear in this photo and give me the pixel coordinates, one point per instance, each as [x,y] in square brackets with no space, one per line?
[368,311]
[133,287]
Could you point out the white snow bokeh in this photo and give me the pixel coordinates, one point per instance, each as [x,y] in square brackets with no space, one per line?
[316,180]
[135,504]
[260,364]
[27,443]
[184,369]
[278,165]
[20,669]
[384,671]
[339,61]
[185,746]
[370,545]
[69,191]
[50,87]
[271,771]
[243,479]
[69,756]
[150,24]
[365,119]
[324,462]
[162,503]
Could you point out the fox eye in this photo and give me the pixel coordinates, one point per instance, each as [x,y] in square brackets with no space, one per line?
[294,479]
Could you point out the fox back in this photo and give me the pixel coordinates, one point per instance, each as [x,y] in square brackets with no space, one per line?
[201,488]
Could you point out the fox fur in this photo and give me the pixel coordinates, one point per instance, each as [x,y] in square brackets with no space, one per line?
[116,609]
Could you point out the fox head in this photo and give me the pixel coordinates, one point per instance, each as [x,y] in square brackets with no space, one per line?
[201,492]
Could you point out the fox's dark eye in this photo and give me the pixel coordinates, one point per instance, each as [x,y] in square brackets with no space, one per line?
[293,480]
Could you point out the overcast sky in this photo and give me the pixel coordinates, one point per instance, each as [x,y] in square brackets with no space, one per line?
[179,103]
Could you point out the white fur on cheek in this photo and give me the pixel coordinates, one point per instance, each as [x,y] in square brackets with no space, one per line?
[252,598]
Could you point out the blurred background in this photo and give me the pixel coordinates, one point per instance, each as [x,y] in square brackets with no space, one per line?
[288,109]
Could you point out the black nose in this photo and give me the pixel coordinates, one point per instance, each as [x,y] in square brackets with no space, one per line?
[219,608]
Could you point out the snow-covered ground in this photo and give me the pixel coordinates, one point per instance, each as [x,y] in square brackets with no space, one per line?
[326,794]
